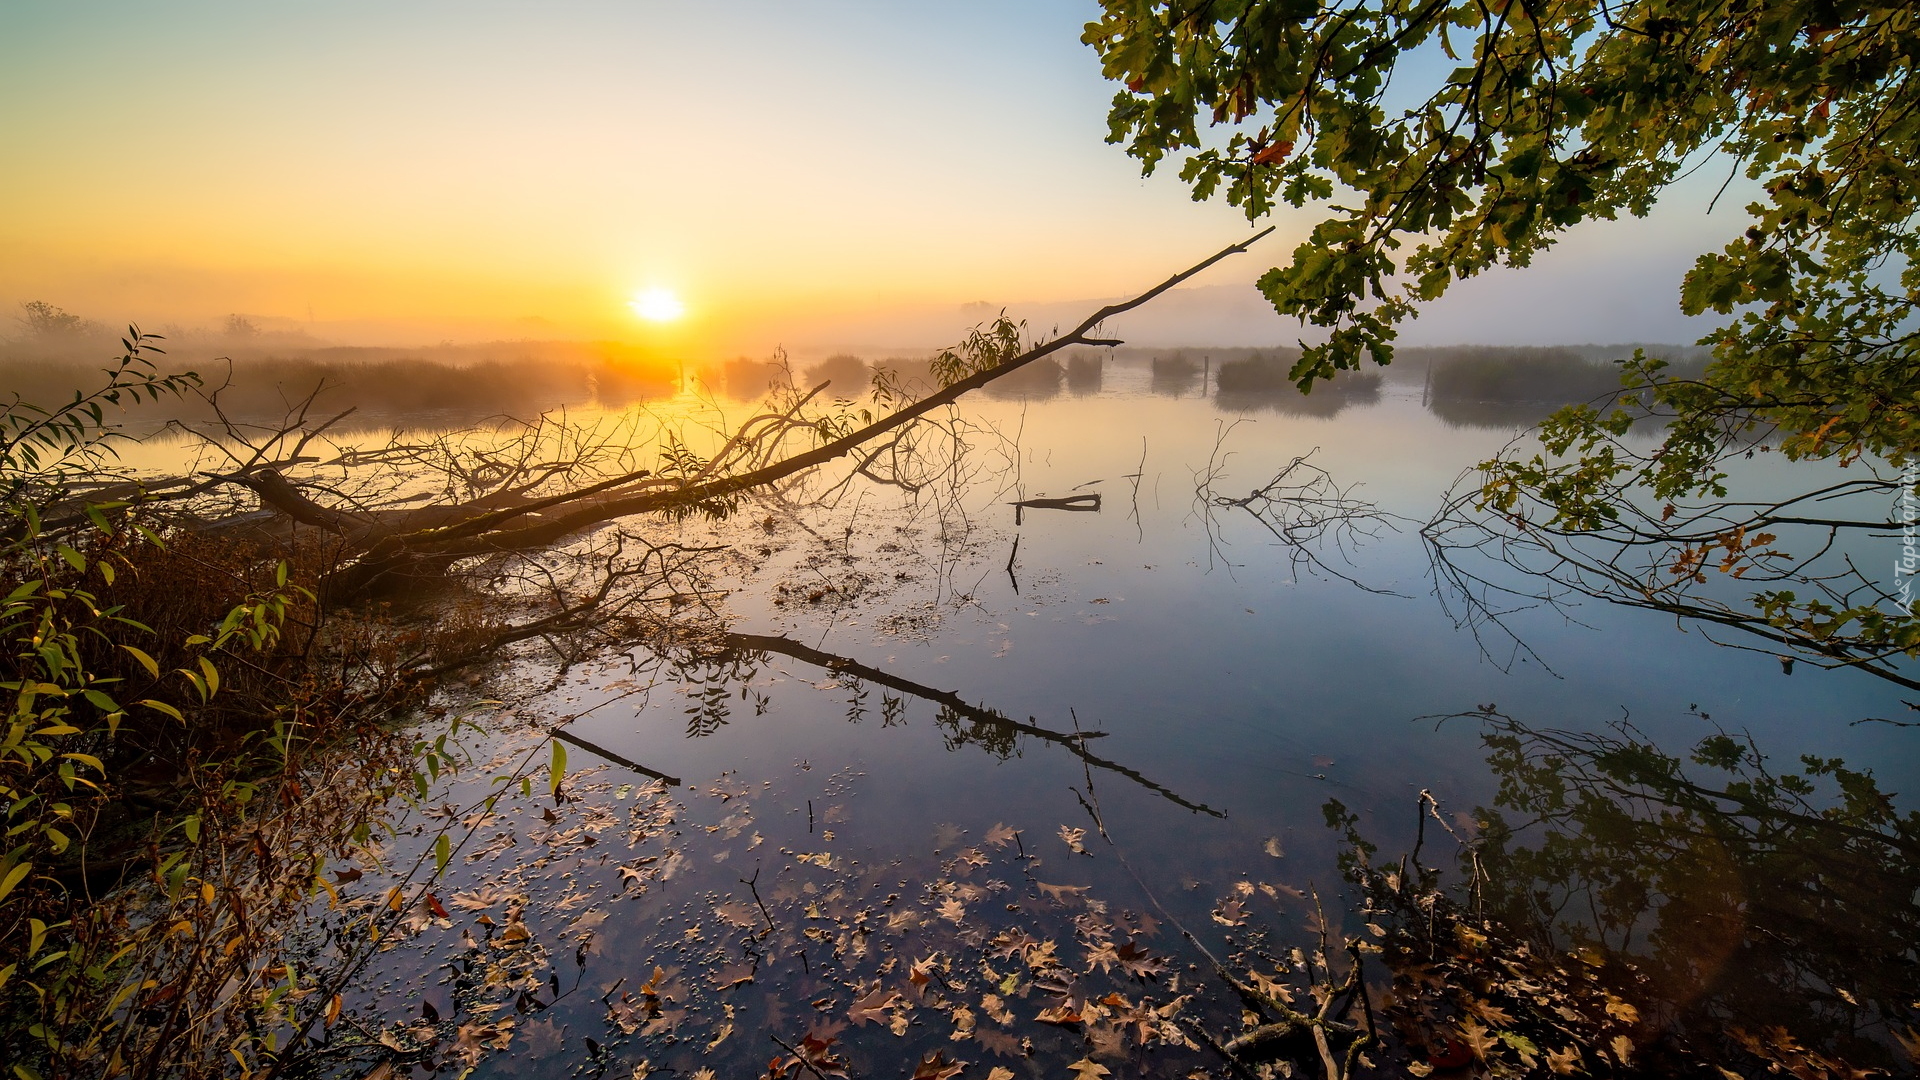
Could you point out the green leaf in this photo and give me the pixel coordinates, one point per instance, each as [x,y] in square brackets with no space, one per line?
[442,852]
[73,558]
[14,877]
[557,768]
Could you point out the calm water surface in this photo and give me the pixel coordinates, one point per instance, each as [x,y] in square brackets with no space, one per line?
[1192,682]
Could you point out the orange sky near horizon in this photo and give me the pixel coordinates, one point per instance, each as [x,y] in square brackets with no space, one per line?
[484,168]
[406,173]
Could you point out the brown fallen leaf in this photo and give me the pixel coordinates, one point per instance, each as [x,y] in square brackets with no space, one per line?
[732,975]
[963,1022]
[1063,1015]
[873,1007]
[1137,962]
[1061,893]
[816,1053]
[1231,913]
[1085,1069]
[935,1066]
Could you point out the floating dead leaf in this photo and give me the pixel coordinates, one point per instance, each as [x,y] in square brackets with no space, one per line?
[1001,835]
[1478,1038]
[484,897]
[873,1007]
[935,1066]
[952,910]
[1273,848]
[816,1053]
[1043,957]
[1270,985]
[1074,838]
[1230,913]
[1063,1015]
[1494,1015]
[1103,955]
[1061,893]
[1622,1011]
[515,934]
[921,972]
[1010,943]
[627,1014]
[1085,1069]
[996,1007]
[1137,962]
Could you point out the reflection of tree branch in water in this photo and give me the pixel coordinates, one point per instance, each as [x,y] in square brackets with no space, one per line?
[1302,506]
[953,708]
[1749,898]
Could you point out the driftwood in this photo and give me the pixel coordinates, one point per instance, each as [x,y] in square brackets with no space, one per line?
[394,544]
[1081,504]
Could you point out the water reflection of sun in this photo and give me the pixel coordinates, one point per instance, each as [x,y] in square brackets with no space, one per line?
[657,305]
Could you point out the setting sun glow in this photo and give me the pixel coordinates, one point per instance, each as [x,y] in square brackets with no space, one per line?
[657,305]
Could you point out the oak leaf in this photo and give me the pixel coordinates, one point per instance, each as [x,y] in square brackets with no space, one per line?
[935,1066]
[873,1007]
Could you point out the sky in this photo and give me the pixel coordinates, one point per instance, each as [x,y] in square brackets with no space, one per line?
[816,173]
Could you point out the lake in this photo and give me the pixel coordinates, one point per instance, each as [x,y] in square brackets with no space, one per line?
[874,815]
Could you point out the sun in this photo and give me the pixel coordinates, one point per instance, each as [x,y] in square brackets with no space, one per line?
[657,305]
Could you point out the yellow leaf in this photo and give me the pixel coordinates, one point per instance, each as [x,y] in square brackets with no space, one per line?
[14,877]
[146,661]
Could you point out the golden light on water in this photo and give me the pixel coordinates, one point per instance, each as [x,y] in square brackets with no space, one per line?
[657,305]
